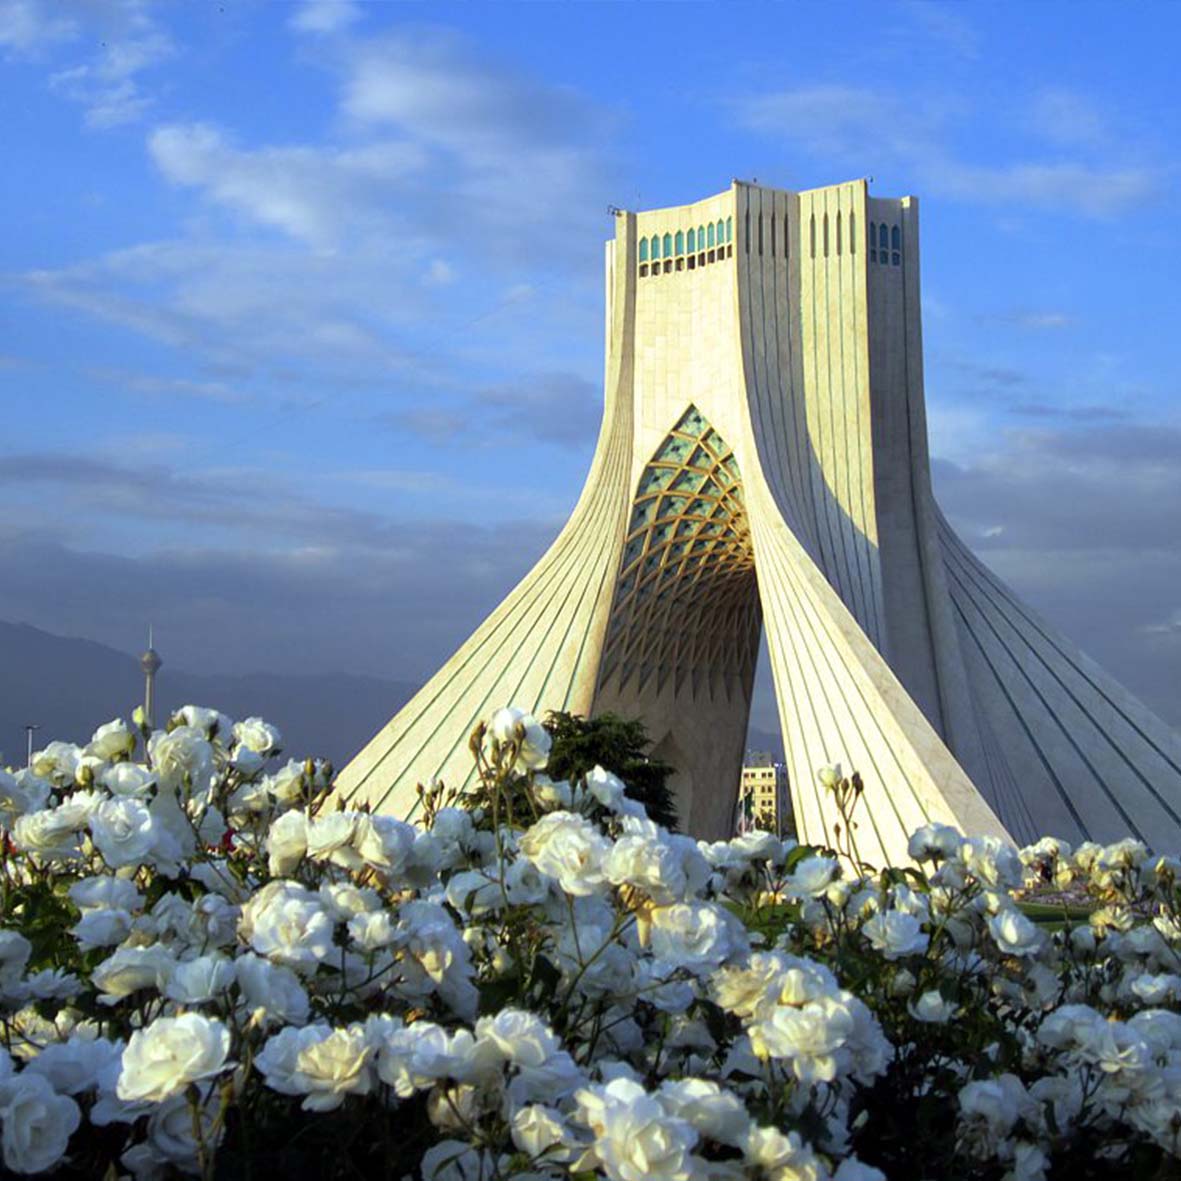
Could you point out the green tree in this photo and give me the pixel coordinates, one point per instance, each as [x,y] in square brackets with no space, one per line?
[618,745]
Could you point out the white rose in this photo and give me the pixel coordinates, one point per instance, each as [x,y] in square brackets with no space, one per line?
[330,838]
[896,934]
[933,842]
[552,796]
[1014,934]
[15,950]
[14,800]
[162,1059]
[273,989]
[332,1067]
[851,1169]
[128,779]
[694,935]
[372,930]
[453,1160]
[512,725]
[993,1102]
[112,741]
[57,762]
[608,789]
[343,900]
[74,1066]
[384,842]
[285,922]
[170,1132]
[105,892]
[248,763]
[193,982]
[36,1123]
[781,1154]
[932,1008]
[812,877]
[277,1059]
[50,833]
[101,928]
[416,1057]
[129,969]
[525,884]
[209,722]
[518,1037]
[635,1138]
[124,832]
[537,1129]
[259,736]
[287,842]
[183,755]
[287,784]
[716,1114]
[567,847]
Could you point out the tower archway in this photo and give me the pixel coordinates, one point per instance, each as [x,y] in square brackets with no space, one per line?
[683,632]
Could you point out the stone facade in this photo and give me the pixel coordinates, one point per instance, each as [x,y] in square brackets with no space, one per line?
[763,462]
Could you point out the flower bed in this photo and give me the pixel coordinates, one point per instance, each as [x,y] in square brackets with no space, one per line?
[207,967]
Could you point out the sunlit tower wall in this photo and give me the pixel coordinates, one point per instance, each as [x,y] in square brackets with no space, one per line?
[763,462]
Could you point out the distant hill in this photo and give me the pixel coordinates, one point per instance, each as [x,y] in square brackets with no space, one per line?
[71,686]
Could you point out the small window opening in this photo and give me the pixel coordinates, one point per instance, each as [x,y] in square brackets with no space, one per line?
[729,229]
[786,235]
[668,266]
[643,270]
[772,221]
[812,234]
[655,246]
[826,235]
[883,237]
[643,250]
[668,245]
[896,238]
[838,233]
[680,242]
[680,264]
[760,233]
[852,233]
[709,234]
[746,231]
[692,243]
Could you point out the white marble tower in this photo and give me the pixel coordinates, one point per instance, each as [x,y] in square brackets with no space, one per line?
[763,463]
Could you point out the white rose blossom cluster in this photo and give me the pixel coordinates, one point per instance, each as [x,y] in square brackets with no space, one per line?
[209,966]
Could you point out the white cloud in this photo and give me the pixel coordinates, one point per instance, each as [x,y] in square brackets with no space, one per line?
[325,16]
[944,24]
[861,127]
[312,194]
[1065,117]
[107,85]
[28,26]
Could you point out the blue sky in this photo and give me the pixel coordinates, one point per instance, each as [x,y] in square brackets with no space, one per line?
[300,304]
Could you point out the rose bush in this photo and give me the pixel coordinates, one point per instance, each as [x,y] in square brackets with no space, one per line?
[210,966]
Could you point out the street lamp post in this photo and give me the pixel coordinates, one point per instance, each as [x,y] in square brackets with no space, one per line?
[30,727]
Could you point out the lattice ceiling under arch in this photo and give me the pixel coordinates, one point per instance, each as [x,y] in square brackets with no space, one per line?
[686,602]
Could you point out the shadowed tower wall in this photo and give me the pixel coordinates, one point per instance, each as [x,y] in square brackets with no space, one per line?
[763,462]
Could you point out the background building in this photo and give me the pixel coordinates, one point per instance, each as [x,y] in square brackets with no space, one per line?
[763,797]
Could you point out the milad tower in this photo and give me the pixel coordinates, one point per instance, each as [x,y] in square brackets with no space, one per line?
[763,462]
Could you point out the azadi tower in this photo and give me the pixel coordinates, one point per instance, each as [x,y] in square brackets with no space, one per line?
[763,463]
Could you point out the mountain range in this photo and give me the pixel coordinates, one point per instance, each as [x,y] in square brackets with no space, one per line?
[70,686]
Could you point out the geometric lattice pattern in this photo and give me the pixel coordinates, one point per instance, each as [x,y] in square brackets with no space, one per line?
[686,603]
